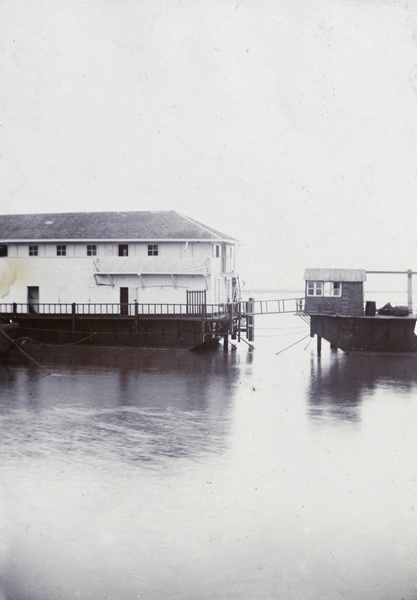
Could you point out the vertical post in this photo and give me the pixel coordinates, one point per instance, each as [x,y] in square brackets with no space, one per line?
[319,345]
[410,290]
[231,329]
[251,320]
[203,322]
[136,317]
[73,312]
[14,310]
[239,316]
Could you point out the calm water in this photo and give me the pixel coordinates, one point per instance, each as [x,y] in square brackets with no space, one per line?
[252,475]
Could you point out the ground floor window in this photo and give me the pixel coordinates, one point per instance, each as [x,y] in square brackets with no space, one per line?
[33,250]
[3,250]
[91,249]
[61,250]
[153,250]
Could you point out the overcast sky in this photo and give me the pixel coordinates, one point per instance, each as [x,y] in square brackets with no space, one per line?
[288,124]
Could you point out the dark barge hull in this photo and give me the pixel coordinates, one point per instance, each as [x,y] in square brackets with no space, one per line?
[367,334]
[121,331]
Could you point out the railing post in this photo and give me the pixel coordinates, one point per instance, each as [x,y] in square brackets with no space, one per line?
[73,313]
[136,317]
[14,310]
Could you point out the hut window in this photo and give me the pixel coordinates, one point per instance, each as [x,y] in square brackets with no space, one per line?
[152,249]
[91,249]
[332,288]
[61,250]
[315,288]
[123,250]
[3,250]
[33,250]
[337,288]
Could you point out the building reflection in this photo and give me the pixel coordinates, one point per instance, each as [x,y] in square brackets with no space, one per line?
[141,405]
[339,384]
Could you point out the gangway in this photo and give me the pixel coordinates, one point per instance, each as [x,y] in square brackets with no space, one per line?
[271,307]
[244,312]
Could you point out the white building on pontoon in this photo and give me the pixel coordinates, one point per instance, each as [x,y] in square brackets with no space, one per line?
[112,257]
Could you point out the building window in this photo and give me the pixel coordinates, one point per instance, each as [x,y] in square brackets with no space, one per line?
[314,288]
[91,249]
[3,250]
[123,250]
[333,288]
[33,250]
[153,250]
[61,250]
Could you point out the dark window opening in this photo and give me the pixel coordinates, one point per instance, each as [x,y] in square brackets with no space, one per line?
[61,250]
[123,250]
[91,250]
[3,250]
[153,250]
[33,250]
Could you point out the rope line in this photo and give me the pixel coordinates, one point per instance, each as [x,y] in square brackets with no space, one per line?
[302,339]
[23,352]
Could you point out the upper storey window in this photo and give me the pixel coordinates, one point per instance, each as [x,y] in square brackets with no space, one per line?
[123,250]
[153,250]
[3,250]
[91,249]
[33,250]
[61,250]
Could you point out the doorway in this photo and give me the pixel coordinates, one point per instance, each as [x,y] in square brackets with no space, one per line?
[33,299]
[124,301]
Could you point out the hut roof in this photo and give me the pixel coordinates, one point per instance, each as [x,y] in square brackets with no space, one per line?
[351,275]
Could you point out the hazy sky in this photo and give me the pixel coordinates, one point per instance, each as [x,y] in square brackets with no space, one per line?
[288,124]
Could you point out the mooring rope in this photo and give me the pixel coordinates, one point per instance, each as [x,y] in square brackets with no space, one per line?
[24,353]
[302,339]
[80,341]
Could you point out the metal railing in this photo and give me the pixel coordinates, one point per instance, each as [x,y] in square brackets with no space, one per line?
[110,309]
[241,308]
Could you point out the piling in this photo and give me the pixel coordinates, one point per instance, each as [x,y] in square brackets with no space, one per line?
[251,320]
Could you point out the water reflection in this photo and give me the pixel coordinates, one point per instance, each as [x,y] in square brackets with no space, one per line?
[138,405]
[339,383]
[167,474]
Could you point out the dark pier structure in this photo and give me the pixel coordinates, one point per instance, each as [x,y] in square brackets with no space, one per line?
[334,303]
[194,326]
[190,326]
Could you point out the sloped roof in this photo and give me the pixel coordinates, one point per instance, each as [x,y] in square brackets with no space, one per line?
[138,225]
[334,275]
